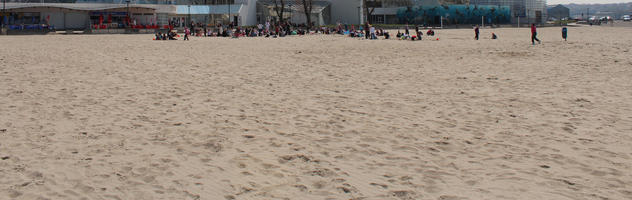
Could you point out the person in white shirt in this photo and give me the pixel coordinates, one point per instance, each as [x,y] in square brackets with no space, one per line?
[267,27]
[373,36]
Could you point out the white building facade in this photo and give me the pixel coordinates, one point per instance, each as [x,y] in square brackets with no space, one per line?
[85,14]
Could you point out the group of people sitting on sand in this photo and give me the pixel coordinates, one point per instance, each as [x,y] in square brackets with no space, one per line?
[166,36]
[417,35]
[279,29]
[367,32]
[282,29]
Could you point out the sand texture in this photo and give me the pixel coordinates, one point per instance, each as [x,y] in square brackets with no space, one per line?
[318,117]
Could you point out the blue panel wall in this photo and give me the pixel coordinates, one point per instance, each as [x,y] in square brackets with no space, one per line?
[454,14]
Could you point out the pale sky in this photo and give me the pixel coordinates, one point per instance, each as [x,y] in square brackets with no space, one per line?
[554,2]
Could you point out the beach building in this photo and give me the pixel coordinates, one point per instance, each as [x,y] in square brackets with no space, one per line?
[558,12]
[213,12]
[144,14]
[293,11]
[122,14]
[31,16]
[522,11]
[112,16]
[455,11]
[347,11]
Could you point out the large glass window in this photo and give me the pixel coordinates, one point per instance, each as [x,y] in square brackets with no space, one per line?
[24,18]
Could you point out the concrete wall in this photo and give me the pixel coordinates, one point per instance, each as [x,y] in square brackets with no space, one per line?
[346,11]
[77,20]
[248,12]
[61,18]
[56,19]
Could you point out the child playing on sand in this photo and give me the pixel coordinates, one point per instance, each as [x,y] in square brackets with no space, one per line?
[476,32]
[564,33]
[494,36]
[186,33]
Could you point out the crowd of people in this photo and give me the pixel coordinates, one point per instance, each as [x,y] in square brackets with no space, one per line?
[274,30]
[282,29]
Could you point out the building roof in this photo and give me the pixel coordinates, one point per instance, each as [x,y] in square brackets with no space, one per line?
[559,6]
[76,6]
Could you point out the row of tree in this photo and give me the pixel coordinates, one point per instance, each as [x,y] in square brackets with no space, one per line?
[307,6]
[280,5]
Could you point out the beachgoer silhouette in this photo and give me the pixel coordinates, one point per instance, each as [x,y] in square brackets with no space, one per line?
[534,35]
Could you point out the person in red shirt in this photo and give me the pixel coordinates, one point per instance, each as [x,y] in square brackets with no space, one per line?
[534,34]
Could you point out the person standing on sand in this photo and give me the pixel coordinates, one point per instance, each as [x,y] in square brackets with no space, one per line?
[407,31]
[373,35]
[534,35]
[267,27]
[187,32]
[417,32]
[476,32]
[366,30]
[564,33]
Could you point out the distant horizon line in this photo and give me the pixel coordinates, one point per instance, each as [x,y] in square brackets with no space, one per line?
[587,3]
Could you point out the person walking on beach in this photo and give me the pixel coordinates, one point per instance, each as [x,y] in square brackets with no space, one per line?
[564,33]
[476,32]
[534,35]
[187,32]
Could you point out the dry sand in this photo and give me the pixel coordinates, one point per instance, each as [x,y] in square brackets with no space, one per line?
[318,117]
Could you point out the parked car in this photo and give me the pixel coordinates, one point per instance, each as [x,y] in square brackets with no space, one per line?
[626,18]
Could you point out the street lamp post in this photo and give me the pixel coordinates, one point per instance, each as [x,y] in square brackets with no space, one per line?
[4,8]
[230,20]
[129,19]
[208,15]
[359,15]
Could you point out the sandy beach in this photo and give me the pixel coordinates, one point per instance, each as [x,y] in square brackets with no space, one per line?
[318,117]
